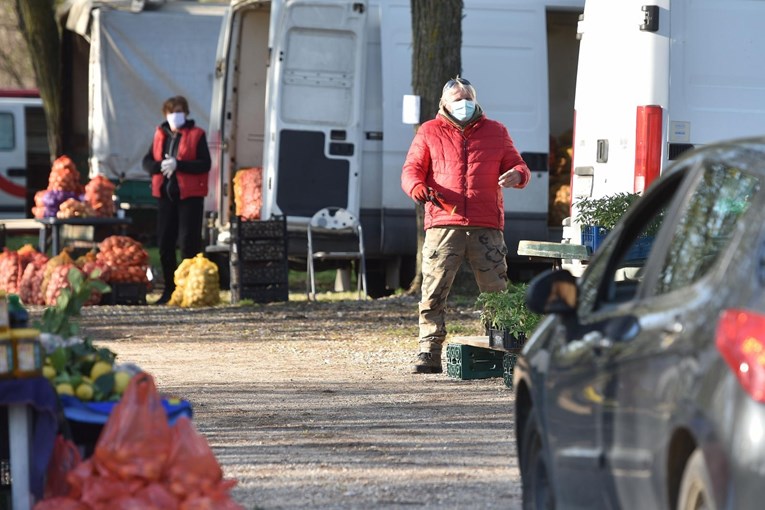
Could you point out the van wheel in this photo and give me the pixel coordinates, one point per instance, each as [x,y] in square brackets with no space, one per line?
[696,486]
[537,492]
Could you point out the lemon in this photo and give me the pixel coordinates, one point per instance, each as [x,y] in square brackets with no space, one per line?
[49,372]
[84,391]
[100,368]
[65,389]
[121,380]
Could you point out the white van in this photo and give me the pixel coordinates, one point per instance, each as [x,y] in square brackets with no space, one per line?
[655,80]
[24,153]
[311,91]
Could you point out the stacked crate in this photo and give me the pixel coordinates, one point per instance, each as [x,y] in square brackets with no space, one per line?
[258,258]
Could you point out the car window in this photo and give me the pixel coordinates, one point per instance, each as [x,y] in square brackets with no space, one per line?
[7,132]
[615,276]
[706,221]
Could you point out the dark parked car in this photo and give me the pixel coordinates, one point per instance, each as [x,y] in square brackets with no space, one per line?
[644,386]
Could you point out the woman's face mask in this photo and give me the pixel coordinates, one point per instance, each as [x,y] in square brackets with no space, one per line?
[176,119]
[462,109]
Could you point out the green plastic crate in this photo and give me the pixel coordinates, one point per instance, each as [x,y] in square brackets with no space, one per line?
[508,364]
[468,362]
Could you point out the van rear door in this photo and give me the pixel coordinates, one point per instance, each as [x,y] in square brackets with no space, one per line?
[316,86]
[13,161]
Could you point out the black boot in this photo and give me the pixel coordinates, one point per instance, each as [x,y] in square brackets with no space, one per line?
[165,297]
[427,363]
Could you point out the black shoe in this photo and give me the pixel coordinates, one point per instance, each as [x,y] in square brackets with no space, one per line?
[427,363]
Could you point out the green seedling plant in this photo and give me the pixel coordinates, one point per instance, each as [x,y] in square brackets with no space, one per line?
[507,311]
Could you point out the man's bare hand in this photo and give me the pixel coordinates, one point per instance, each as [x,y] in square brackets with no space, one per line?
[510,178]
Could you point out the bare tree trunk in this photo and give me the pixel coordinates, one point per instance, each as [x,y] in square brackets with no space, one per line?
[38,24]
[436,57]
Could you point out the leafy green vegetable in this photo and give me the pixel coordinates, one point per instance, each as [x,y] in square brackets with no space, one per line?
[57,319]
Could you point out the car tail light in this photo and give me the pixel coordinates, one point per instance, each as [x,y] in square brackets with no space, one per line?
[740,338]
[647,146]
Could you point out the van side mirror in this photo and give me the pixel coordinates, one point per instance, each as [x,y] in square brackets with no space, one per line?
[553,291]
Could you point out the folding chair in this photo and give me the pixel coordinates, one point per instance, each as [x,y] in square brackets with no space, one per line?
[335,222]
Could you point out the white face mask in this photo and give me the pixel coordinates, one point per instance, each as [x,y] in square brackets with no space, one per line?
[462,109]
[176,119]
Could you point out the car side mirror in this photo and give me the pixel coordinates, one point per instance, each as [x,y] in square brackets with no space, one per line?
[553,291]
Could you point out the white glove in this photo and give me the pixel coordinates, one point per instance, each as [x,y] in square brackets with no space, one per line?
[168,166]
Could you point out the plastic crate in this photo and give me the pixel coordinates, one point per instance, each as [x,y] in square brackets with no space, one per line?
[260,273]
[640,248]
[254,250]
[125,294]
[259,229]
[592,237]
[469,362]
[508,365]
[259,293]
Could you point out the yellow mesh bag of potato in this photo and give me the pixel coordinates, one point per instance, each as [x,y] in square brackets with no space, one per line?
[196,283]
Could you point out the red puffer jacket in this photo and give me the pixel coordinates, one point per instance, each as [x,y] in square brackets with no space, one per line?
[463,165]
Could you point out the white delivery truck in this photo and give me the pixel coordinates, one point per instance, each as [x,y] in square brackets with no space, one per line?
[656,79]
[311,91]
[24,152]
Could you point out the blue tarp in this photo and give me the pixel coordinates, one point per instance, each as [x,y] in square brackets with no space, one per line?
[98,412]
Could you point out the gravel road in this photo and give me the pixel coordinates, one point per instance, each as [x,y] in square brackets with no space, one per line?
[311,406]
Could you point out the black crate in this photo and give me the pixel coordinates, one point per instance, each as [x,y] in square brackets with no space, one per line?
[259,229]
[260,273]
[259,293]
[125,294]
[503,339]
[255,250]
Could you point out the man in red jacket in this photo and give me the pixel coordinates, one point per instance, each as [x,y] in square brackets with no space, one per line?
[457,165]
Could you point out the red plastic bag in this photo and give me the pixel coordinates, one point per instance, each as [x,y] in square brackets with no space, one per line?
[192,466]
[135,442]
[60,504]
[64,458]
[157,496]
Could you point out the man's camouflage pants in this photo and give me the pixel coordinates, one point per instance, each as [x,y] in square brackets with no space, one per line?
[443,252]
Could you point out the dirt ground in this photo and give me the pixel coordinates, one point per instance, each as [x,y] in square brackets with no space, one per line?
[311,405]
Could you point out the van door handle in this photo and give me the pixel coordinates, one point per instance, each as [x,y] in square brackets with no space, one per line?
[16,172]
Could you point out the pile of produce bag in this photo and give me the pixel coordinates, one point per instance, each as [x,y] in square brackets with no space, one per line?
[98,194]
[140,461]
[248,192]
[126,259]
[197,283]
[65,196]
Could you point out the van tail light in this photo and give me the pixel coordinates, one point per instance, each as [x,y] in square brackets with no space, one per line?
[740,338]
[648,138]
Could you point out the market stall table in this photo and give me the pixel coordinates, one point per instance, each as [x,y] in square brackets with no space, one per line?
[552,252]
[30,446]
[52,231]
